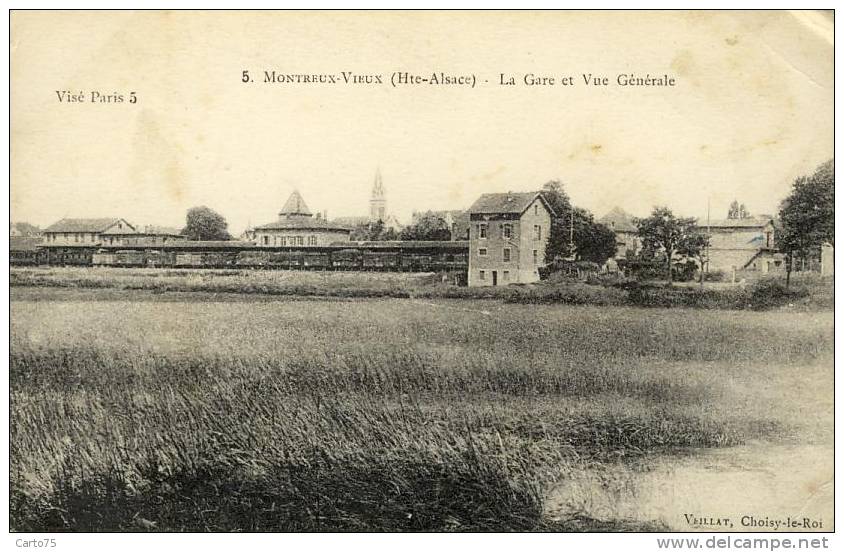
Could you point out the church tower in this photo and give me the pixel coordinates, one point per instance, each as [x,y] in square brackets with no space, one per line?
[378,201]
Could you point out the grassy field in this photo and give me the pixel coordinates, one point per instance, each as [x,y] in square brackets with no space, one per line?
[807,292]
[141,410]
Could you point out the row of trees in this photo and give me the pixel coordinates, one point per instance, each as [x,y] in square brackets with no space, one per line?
[428,227]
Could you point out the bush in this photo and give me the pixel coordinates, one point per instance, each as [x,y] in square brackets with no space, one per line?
[769,293]
[715,276]
[569,294]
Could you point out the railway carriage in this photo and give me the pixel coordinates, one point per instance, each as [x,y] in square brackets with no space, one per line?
[347,259]
[252,259]
[316,260]
[381,260]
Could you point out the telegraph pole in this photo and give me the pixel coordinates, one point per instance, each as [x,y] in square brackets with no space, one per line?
[708,237]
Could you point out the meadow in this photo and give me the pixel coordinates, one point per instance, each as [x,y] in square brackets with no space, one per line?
[808,292]
[141,410]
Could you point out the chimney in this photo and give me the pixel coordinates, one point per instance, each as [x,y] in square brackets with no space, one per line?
[325,215]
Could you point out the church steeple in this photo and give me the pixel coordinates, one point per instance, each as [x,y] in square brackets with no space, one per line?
[378,201]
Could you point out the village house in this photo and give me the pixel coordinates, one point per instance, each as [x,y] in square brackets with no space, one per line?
[23,230]
[148,235]
[296,226]
[507,238]
[747,243]
[87,232]
[623,224]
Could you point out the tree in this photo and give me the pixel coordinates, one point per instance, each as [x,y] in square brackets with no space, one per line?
[574,233]
[733,213]
[662,233]
[693,246]
[558,237]
[737,211]
[807,215]
[373,231]
[585,239]
[24,229]
[203,223]
[428,227]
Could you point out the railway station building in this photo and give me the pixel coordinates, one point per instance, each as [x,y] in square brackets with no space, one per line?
[298,227]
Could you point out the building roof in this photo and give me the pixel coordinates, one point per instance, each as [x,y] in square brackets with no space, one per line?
[304,223]
[404,244]
[748,222]
[453,213]
[350,221]
[23,243]
[295,205]
[510,202]
[619,220]
[82,225]
[183,244]
[152,230]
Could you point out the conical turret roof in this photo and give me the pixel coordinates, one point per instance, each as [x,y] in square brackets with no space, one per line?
[295,205]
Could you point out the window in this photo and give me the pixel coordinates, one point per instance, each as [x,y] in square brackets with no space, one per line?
[537,232]
[482,252]
[505,275]
[535,209]
[535,256]
[482,275]
[311,240]
[300,240]
[506,254]
[507,231]
[76,237]
[482,231]
[266,240]
[284,241]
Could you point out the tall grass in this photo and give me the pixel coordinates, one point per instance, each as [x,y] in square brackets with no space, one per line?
[375,415]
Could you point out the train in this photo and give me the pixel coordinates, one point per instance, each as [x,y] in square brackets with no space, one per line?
[393,256]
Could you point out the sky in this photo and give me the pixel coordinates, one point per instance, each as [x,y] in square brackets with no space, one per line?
[752,109]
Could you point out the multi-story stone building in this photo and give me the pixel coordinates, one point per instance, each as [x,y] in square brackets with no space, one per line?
[296,226]
[507,237]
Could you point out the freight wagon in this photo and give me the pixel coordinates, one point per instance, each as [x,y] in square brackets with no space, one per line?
[374,256]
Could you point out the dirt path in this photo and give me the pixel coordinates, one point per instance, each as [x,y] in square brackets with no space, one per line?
[756,487]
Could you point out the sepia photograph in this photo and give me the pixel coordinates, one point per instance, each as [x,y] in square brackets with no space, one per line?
[422,272]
